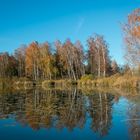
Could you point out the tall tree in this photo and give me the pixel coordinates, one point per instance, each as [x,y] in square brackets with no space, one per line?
[92,56]
[79,59]
[47,61]
[132,38]
[98,56]
[72,57]
[20,57]
[8,65]
[114,67]
[60,62]
[3,64]
[31,61]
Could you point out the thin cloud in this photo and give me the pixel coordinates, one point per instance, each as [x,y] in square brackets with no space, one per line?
[80,25]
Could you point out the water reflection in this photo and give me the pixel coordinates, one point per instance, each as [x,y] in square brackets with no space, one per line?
[68,109]
[100,112]
[58,109]
[134,119]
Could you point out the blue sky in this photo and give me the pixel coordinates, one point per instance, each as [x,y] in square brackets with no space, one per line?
[24,21]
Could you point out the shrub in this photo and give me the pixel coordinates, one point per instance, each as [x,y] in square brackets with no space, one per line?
[87,77]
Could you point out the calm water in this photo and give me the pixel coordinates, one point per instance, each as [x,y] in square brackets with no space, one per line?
[68,115]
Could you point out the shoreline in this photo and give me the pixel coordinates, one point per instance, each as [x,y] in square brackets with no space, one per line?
[119,82]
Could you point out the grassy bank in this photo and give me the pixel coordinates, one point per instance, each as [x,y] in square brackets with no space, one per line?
[115,81]
[16,83]
[59,83]
[5,83]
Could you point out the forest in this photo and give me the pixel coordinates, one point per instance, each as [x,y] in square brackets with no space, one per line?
[68,60]
[63,60]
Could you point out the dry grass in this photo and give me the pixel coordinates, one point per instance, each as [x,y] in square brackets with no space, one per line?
[127,82]
[119,81]
[58,83]
[116,81]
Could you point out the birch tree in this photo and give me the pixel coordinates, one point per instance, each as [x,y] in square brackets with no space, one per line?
[98,56]
[31,61]
[20,57]
[132,38]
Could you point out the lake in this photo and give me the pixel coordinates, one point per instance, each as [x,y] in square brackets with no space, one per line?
[39,114]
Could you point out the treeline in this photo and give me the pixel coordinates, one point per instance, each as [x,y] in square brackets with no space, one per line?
[69,60]
[59,60]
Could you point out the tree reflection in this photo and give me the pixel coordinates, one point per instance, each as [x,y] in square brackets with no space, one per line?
[59,109]
[134,120]
[100,111]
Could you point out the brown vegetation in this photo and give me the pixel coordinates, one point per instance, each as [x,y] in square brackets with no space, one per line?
[64,64]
